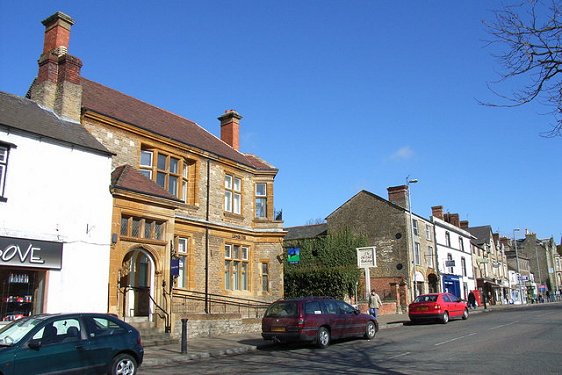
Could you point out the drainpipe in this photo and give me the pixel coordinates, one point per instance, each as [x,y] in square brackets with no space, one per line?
[207,237]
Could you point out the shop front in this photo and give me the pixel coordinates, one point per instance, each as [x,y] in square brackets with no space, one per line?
[451,284]
[23,271]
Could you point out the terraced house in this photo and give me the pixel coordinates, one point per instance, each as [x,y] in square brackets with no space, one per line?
[194,228]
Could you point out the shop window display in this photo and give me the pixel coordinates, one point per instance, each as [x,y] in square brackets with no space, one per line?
[18,293]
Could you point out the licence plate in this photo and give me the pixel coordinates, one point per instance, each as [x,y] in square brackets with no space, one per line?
[422,308]
[277,329]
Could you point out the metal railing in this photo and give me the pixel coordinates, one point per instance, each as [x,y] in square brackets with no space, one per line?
[200,302]
[159,311]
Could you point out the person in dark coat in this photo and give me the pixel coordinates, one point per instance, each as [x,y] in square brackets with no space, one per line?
[471,300]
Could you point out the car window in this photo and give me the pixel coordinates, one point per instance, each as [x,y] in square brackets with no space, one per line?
[60,330]
[446,298]
[453,298]
[282,309]
[345,308]
[426,298]
[100,326]
[331,307]
[312,308]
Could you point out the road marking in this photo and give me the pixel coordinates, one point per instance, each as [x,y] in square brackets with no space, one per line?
[455,339]
[399,355]
[505,325]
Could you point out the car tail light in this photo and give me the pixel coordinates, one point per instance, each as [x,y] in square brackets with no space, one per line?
[437,307]
[139,340]
[300,322]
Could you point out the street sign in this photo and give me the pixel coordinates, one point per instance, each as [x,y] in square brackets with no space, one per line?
[523,278]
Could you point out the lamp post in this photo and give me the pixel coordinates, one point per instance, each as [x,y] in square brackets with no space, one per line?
[412,244]
[518,269]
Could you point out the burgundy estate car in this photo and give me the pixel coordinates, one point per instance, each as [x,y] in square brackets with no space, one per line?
[437,306]
[315,319]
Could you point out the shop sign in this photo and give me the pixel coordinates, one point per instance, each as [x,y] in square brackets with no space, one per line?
[20,252]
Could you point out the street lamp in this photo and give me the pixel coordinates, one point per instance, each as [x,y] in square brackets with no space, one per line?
[413,244]
[518,269]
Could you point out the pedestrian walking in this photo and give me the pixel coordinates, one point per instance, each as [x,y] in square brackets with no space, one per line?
[374,303]
[471,300]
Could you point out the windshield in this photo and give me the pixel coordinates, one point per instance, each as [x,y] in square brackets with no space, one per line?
[15,331]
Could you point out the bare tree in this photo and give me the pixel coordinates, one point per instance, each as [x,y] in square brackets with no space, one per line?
[529,35]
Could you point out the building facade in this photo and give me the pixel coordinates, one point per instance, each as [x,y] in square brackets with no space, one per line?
[55,213]
[454,254]
[404,243]
[193,226]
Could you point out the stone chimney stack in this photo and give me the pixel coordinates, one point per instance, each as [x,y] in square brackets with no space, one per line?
[57,86]
[437,211]
[464,224]
[399,195]
[230,128]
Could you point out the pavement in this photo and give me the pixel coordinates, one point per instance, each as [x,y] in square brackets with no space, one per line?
[211,347]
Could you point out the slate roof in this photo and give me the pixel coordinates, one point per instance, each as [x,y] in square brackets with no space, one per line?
[481,233]
[23,114]
[306,231]
[119,106]
[128,178]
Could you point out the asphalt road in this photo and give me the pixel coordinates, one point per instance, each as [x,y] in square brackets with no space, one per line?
[525,340]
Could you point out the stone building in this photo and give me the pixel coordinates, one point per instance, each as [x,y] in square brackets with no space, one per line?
[194,230]
[542,255]
[492,280]
[405,249]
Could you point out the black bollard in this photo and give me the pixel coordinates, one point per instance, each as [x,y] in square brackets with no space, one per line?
[184,336]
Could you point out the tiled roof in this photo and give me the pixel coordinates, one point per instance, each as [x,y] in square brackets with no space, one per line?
[24,114]
[128,178]
[112,103]
[306,231]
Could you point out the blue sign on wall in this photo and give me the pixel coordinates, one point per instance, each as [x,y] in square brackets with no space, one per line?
[175,267]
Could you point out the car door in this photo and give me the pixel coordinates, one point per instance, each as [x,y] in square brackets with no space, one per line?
[454,305]
[335,318]
[58,353]
[348,314]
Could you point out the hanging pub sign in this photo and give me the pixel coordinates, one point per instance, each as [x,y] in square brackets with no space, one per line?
[293,255]
[449,263]
[366,257]
[21,252]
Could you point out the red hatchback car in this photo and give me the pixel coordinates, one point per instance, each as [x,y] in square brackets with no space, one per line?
[437,306]
[317,320]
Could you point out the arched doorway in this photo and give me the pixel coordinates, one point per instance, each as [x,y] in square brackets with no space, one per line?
[137,276]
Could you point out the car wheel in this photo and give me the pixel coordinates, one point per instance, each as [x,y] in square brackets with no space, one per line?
[123,364]
[370,330]
[445,318]
[323,337]
[465,314]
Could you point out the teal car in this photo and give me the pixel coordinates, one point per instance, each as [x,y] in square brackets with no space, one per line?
[80,343]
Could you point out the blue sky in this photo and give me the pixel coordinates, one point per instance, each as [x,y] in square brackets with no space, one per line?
[339,95]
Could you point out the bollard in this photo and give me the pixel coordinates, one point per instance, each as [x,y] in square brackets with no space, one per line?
[184,336]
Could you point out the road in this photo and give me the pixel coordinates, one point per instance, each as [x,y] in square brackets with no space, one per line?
[525,340]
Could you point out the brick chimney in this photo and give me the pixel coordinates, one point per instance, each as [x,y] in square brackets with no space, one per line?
[230,128]
[437,211]
[464,224]
[57,86]
[453,219]
[399,195]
